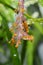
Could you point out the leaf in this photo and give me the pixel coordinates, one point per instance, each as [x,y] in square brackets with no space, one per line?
[41,2]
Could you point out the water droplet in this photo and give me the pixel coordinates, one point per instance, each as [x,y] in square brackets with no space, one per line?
[15,55]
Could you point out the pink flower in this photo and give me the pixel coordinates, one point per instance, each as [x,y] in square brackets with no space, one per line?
[20,27]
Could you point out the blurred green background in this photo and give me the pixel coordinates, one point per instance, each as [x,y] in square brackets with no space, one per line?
[29,52]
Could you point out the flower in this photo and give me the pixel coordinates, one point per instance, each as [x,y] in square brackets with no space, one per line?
[20,27]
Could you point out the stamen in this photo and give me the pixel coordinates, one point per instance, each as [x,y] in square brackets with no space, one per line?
[19,3]
[18,42]
[15,35]
[22,10]
[28,37]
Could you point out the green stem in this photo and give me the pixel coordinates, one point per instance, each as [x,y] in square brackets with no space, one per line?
[33,19]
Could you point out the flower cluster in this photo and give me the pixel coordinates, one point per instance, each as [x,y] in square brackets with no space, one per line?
[20,27]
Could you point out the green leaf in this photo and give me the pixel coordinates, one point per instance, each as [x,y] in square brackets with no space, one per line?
[41,2]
